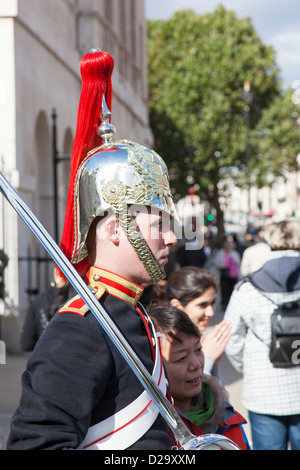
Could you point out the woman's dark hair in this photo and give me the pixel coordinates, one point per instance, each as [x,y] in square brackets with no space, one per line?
[169,321]
[188,283]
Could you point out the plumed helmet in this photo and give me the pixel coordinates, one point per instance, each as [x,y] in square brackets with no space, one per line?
[117,175]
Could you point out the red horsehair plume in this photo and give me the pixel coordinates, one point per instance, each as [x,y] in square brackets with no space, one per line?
[96,69]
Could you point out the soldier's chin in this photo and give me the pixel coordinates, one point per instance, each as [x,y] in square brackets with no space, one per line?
[163,263]
[148,281]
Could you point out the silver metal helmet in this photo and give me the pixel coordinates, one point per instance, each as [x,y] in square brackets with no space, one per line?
[116,176]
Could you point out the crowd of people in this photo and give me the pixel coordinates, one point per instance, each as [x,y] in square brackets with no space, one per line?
[251,284]
[78,392]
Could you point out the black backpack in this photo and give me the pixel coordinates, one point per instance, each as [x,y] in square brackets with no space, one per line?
[285,333]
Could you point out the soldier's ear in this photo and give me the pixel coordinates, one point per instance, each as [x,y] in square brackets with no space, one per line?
[113,230]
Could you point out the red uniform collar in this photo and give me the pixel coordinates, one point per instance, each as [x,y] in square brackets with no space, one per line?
[116,285]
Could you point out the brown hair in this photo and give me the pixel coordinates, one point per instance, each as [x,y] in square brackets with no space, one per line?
[188,283]
[170,321]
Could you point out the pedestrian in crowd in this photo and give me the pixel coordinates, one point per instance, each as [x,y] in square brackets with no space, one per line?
[200,399]
[239,245]
[255,255]
[77,385]
[42,309]
[270,393]
[3,264]
[191,253]
[227,260]
[207,247]
[194,290]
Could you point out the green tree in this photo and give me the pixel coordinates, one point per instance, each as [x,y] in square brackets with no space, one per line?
[276,140]
[197,66]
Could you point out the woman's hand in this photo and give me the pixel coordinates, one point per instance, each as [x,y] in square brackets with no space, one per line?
[213,344]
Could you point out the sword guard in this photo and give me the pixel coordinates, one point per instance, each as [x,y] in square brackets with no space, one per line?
[210,442]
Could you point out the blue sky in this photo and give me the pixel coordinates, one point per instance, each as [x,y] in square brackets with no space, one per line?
[277,23]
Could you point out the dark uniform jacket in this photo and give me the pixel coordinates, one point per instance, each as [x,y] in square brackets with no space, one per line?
[76,377]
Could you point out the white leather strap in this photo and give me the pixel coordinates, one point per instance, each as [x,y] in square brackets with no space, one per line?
[123,429]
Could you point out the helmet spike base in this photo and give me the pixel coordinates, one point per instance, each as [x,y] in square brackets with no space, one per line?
[106,130]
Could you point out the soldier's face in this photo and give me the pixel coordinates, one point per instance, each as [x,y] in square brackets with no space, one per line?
[115,252]
[158,233]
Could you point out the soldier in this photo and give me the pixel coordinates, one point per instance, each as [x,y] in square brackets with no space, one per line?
[77,390]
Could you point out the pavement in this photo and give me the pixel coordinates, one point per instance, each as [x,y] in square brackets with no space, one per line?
[10,388]
[10,391]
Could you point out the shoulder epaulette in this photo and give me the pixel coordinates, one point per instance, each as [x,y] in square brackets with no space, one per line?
[78,306]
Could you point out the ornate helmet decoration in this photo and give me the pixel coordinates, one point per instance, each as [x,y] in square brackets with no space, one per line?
[112,175]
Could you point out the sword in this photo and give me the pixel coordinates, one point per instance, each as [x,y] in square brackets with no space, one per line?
[186,439]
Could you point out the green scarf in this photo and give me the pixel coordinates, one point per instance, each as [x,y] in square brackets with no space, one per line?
[199,415]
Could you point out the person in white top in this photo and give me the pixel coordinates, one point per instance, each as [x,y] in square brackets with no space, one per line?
[255,255]
[270,393]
